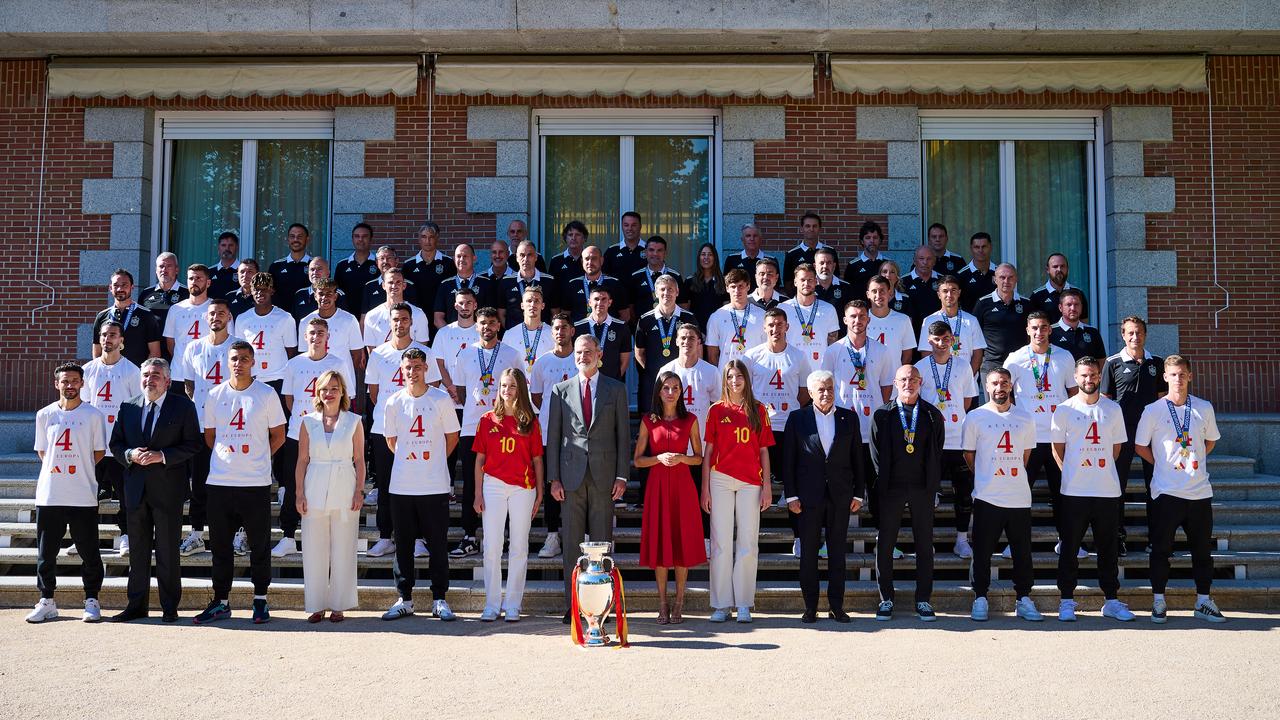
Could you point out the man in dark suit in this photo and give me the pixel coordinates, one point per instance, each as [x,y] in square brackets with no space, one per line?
[822,477]
[155,435]
[588,451]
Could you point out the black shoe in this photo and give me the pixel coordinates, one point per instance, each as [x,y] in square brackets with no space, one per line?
[129,615]
[1122,549]
[809,617]
[566,619]
[215,612]
[466,548]
[260,612]
[170,616]
[839,616]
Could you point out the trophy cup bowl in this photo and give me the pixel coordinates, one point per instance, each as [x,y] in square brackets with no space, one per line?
[595,590]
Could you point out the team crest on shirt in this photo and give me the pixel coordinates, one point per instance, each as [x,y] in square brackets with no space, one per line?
[1017,308]
[133,322]
[837,294]
[373,269]
[612,336]
[439,269]
[1151,370]
[1086,337]
[174,298]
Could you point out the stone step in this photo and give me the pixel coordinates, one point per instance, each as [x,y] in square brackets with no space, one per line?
[19,464]
[17,430]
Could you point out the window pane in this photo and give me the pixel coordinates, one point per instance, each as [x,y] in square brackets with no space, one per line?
[671,181]
[1052,208]
[204,197]
[963,190]
[581,184]
[293,187]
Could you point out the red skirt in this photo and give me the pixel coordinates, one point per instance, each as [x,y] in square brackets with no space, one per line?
[671,528]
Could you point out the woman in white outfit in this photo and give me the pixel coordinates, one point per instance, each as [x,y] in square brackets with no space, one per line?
[330,478]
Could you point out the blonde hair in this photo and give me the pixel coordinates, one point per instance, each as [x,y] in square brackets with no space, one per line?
[344,400]
[521,408]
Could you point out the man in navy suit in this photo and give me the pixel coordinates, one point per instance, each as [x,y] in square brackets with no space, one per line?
[155,435]
[822,477]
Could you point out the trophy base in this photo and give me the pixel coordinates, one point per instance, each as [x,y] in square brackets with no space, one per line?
[596,639]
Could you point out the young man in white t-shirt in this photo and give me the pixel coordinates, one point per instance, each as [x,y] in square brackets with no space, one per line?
[813,324]
[345,338]
[109,380]
[887,326]
[1176,435]
[549,369]
[185,321]
[244,425]
[532,337]
[70,440]
[270,330]
[1088,435]
[998,438]
[736,327]
[377,321]
[969,342]
[947,383]
[700,383]
[422,429]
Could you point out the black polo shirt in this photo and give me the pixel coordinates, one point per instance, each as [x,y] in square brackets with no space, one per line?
[614,339]
[975,283]
[1004,326]
[447,290]
[621,261]
[1080,341]
[426,276]
[222,281]
[747,264]
[649,336]
[159,301]
[239,302]
[641,291]
[351,277]
[140,329]
[901,302]
[797,256]
[702,303]
[565,267]
[773,302]
[1133,384]
[1046,299]
[838,294]
[290,276]
[859,272]
[949,264]
[495,298]
[924,297]
[574,294]
[512,293]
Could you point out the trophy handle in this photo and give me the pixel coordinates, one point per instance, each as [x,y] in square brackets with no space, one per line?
[607,564]
[583,562]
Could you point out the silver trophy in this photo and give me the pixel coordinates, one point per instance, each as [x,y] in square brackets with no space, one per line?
[595,589]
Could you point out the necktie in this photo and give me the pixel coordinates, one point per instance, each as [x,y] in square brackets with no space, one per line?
[586,403]
[148,425]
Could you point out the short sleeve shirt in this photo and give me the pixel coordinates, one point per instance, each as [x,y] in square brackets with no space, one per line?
[106,387]
[478,370]
[860,373]
[998,441]
[300,376]
[508,455]
[947,388]
[776,381]
[735,331]
[1041,395]
[68,439]
[735,447]
[270,335]
[419,425]
[241,420]
[809,327]
[1090,434]
[1180,471]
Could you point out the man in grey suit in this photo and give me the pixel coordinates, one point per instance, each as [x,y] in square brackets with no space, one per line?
[588,451]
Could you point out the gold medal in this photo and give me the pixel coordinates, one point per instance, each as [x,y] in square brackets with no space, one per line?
[910,448]
[666,352]
[942,404]
[484,390]
[1185,452]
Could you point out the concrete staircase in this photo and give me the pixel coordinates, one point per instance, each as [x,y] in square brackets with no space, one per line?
[1247,555]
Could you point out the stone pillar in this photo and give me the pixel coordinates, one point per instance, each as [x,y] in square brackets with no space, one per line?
[507,193]
[353,193]
[898,194]
[744,194]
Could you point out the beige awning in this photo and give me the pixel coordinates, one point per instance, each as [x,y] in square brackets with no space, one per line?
[952,75]
[580,76]
[218,78]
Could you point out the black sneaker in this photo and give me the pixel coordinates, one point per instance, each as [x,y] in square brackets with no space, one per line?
[215,612]
[1122,549]
[260,612]
[466,548]
[885,611]
[924,611]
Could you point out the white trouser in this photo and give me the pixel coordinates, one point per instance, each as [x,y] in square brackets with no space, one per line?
[329,559]
[733,577]
[500,501]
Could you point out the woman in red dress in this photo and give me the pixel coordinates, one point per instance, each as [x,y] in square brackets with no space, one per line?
[671,529]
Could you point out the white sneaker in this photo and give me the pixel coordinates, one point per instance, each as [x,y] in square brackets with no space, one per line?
[488,615]
[963,549]
[402,608]
[744,615]
[897,554]
[72,550]
[420,548]
[718,615]
[1008,552]
[1081,553]
[1117,610]
[123,549]
[286,546]
[372,497]
[795,547]
[1066,610]
[1208,610]
[46,609]
[511,615]
[1159,611]
[440,609]
[980,610]
[193,544]
[384,546]
[551,548]
[1027,610]
[92,611]
[240,543]
[822,551]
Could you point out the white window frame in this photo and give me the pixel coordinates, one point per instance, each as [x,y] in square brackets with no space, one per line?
[249,127]
[626,124]
[1007,126]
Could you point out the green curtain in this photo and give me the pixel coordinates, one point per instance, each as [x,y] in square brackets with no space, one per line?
[1052,209]
[672,193]
[582,183]
[204,198]
[963,190]
[293,186]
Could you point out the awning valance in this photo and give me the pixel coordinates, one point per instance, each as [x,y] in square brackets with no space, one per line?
[580,77]
[953,75]
[217,78]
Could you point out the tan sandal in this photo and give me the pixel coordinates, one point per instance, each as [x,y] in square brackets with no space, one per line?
[677,613]
[662,615]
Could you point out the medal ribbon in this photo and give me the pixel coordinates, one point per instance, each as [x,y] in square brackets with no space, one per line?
[909,433]
[530,351]
[806,328]
[1042,381]
[1183,428]
[666,331]
[858,358]
[740,328]
[125,322]
[955,332]
[941,384]
[486,371]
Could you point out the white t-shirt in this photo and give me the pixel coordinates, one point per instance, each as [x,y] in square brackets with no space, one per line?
[419,426]
[300,375]
[892,331]
[701,387]
[1090,433]
[1027,394]
[539,342]
[449,343]
[344,335]
[776,380]
[187,323]
[548,370]
[269,335]
[242,420]
[377,325]
[860,392]
[107,386]
[998,441]
[722,331]
[68,439]
[384,372]
[824,321]
[206,366]
[1185,477]
[480,397]
[960,386]
[967,331]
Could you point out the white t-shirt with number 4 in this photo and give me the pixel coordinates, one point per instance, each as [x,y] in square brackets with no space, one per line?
[300,376]
[377,325]
[968,334]
[824,319]
[776,381]
[269,335]
[344,335]
[241,421]
[548,370]
[960,386]
[384,372]
[540,342]
[206,366]
[1090,433]
[1041,397]
[419,425]
[892,331]
[449,343]
[106,387]
[1181,475]
[187,323]
[722,331]
[861,392]
[998,441]
[68,439]
[479,399]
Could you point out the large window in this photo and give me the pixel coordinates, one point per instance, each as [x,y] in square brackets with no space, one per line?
[251,173]
[597,165]
[1027,181]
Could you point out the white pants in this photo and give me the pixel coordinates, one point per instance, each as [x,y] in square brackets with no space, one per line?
[733,576]
[500,502]
[329,559]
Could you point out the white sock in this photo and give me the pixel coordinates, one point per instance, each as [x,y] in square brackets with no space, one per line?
[1158,597]
[259,597]
[1201,598]
[406,603]
[962,536]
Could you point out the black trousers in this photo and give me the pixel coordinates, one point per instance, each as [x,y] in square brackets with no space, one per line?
[955,469]
[988,522]
[52,522]
[1078,514]
[287,456]
[1123,462]
[158,526]
[893,501]
[470,518]
[834,517]
[383,459]
[872,504]
[1195,517]
[111,478]
[550,508]
[1042,462]
[199,476]
[775,464]
[421,516]
[231,508]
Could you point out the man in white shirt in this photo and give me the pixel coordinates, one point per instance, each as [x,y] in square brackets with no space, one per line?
[109,380]
[1176,435]
[699,378]
[421,429]
[202,368]
[1088,435]
[377,322]
[270,330]
[998,439]
[736,327]
[532,337]
[70,439]
[813,324]
[184,323]
[887,326]
[550,369]
[345,339]
[969,341]
[244,425]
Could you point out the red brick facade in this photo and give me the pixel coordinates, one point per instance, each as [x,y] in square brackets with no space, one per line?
[820,159]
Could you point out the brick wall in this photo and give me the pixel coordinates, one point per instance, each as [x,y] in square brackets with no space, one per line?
[819,158]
